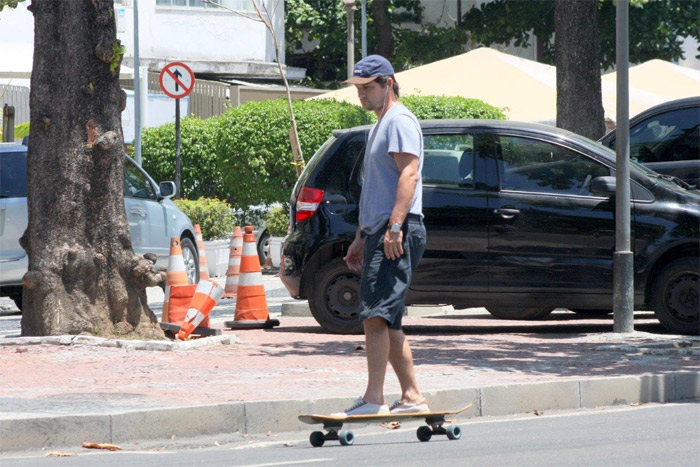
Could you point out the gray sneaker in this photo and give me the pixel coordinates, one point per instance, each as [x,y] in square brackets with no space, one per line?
[362,407]
[399,407]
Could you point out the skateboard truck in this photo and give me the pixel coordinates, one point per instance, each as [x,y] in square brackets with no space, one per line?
[346,437]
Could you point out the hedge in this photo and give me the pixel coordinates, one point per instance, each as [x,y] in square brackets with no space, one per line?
[254,152]
[215,217]
[197,153]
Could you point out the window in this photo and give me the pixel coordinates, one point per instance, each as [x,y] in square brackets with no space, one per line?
[536,166]
[448,160]
[671,136]
[136,185]
[237,5]
[13,174]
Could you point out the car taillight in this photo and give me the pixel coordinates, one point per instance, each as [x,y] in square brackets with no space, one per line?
[308,202]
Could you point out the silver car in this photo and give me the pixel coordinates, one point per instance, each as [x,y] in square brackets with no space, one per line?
[153,219]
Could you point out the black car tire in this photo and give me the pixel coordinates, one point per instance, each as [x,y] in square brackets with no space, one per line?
[335,298]
[191,260]
[262,247]
[516,312]
[17,298]
[674,297]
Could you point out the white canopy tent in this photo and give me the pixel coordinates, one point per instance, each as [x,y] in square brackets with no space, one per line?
[525,88]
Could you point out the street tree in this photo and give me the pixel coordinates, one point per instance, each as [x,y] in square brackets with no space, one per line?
[579,95]
[83,275]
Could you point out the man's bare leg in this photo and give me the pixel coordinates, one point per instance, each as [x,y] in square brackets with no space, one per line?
[377,349]
[401,360]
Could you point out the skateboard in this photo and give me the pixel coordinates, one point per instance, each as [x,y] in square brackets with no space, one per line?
[333,425]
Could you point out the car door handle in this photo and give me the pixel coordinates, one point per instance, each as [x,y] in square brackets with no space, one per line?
[507,213]
[138,212]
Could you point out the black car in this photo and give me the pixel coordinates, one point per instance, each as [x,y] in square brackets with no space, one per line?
[520,220]
[666,138]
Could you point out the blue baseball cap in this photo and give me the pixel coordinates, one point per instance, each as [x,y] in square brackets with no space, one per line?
[369,68]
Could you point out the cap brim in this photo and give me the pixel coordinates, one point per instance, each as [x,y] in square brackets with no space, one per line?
[360,80]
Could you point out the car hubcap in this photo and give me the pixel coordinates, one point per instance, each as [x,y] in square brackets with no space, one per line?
[343,296]
[190,266]
[682,297]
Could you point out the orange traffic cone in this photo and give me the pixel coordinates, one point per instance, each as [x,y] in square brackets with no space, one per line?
[234,264]
[251,304]
[203,266]
[177,274]
[205,298]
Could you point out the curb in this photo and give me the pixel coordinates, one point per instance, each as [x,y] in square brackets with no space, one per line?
[91,341]
[23,432]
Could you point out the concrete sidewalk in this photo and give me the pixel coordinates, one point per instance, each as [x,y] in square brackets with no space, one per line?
[61,392]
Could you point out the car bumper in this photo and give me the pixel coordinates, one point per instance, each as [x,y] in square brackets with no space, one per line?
[290,274]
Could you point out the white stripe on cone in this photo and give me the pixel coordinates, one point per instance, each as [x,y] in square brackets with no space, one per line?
[250,278]
[249,249]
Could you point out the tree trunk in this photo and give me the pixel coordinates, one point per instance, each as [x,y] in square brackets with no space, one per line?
[385,39]
[577,50]
[83,276]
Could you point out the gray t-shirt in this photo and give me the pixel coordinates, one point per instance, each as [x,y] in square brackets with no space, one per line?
[398,131]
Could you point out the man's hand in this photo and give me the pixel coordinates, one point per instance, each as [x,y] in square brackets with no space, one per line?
[393,244]
[356,254]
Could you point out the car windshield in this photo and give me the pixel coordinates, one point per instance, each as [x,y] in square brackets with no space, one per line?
[13,174]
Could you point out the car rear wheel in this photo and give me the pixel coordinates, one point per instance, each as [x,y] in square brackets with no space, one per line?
[674,296]
[263,244]
[335,298]
[189,255]
[516,312]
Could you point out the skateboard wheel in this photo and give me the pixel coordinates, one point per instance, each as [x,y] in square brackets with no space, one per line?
[346,438]
[317,439]
[454,432]
[424,433]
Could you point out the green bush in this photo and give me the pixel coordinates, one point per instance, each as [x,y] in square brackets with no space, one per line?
[197,153]
[255,155]
[444,107]
[277,221]
[215,217]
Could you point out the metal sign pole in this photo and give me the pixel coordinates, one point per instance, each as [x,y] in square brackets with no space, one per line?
[623,269]
[177,147]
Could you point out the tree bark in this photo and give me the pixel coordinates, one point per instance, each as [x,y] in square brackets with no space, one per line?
[577,50]
[385,39]
[83,276]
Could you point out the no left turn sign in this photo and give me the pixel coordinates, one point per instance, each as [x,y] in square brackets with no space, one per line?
[176,80]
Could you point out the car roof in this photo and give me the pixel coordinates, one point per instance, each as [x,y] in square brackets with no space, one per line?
[12,147]
[500,125]
[676,104]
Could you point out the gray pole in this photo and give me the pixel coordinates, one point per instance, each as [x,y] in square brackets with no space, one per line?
[350,9]
[178,178]
[137,90]
[623,269]
[364,28]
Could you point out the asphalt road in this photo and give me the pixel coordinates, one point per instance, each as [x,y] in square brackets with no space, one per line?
[650,435]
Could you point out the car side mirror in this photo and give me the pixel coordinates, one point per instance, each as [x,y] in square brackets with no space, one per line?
[605,186]
[167,189]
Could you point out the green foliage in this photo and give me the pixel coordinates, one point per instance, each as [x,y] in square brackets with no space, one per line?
[200,176]
[324,22]
[277,221]
[9,3]
[415,47]
[21,130]
[254,152]
[444,107]
[117,53]
[657,27]
[215,217]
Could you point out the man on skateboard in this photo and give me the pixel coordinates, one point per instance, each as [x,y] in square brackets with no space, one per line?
[390,238]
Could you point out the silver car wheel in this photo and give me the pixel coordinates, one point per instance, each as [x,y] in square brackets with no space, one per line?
[190,258]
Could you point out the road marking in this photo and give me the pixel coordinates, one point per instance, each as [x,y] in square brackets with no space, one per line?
[305,461]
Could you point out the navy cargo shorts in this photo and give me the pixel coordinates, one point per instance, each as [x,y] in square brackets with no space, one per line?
[384,281]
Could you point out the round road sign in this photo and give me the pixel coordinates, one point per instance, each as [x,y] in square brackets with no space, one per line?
[176,80]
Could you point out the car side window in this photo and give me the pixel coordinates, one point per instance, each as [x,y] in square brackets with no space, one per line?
[136,185]
[448,160]
[667,137]
[541,167]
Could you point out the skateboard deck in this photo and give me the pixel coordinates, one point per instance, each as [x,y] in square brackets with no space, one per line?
[333,424]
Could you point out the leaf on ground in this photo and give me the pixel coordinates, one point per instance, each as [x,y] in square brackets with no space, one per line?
[636,404]
[538,413]
[59,454]
[391,425]
[109,447]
